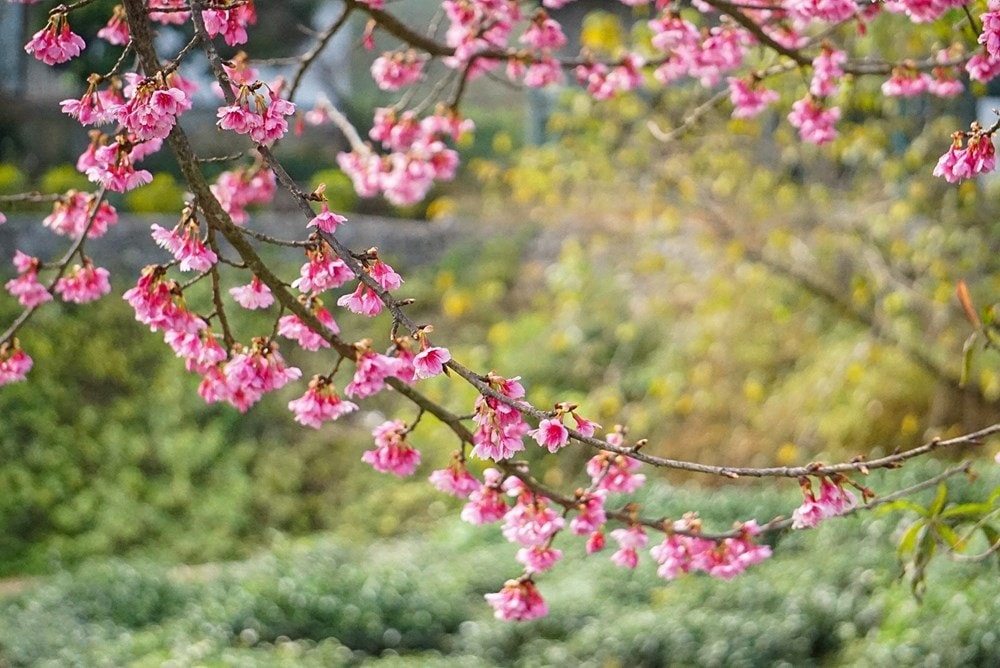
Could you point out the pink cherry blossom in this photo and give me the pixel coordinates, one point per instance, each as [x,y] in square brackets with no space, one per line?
[615,473]
[169,17]
[519,601]
[629,541]
[538,558]
[112,167]
[29,292]
[326,220]
[430,362]
[14,363]
[254,295]
[531,521]
[906,82]
[500,427]
[391,453]
[186,245]
[833,500]
[116,30]
[323,270]
[551,434]
[370,373]
[486,503]
[320,403]
[827,71]
[55,43]
[398,69]
[749,98]
[230,23]
[83,284]
[71,213]
[590,514]
[978,156]
[152,108]
[983,67]
[814,122]
[455,480]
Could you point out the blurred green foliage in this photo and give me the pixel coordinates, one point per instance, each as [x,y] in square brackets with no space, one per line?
[824,598]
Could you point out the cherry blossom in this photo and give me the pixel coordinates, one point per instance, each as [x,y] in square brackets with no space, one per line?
[391,453]
[14,363]
[84,283]
[519,600]
[254,295]
[55,43]
[320,403]
[29,292]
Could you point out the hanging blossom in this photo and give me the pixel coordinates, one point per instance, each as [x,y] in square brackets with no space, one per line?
[71,213]
[252,114]
[230,23]
[116,30]
[397,69]
[990,36]
[152,107]
[55,43]
[370,371]
[248,375]
[320,403]
[833,500]
[749,98]
[238,189]
[519,601]
[814,121]
[112,165]
[552,433]
[681,553]
[827,72]
[97,106]
[322,271]
[983,67]
[171,16]
[291,327]
[486,503]
[392,454]
[614,473]
[84,283]
[906,82]
[455,479]
[629,541]
[254,295]
[976,156]
[363,300]
[500,427]
[14,362]
[185,244]
[326,220]
[29,292]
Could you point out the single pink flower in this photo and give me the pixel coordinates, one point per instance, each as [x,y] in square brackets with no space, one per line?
[430,362]
[254,295]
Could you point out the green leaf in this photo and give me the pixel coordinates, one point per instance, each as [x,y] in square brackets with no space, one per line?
[949,536]
[909,540]
[938,504]
[968,510]
[902,504]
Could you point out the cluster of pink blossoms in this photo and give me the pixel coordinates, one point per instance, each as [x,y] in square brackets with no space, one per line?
[251,114]
[84,283]
[238,189]
[26,287]
[71,213]
[55,43]
[320,403]
[518,601]
[976,156]
[185,243]
[230,23]
[532,524]
[500,427]
[397,69]
[392,454]
[554,435]
[113,165]
[749,98]
[833,500]
[682,553]
[417,155]
[14,363]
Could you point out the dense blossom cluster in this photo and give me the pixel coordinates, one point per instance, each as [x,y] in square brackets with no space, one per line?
[715,44]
